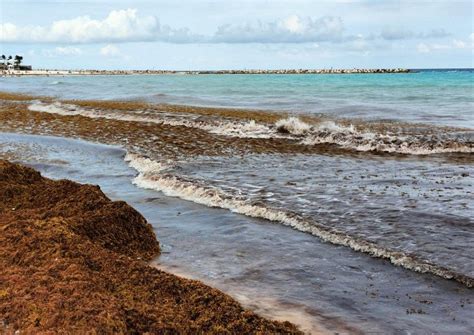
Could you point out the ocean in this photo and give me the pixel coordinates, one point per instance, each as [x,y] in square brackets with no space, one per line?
[442,97]
[374,171]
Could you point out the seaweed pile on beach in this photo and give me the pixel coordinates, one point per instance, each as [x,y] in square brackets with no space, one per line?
[75,262]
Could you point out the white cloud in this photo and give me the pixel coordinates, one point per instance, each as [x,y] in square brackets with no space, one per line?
[67,51]
[397,34]
[293,29]
[57,52]
[110,51]
[435,33]
[459,44]
[392,34]
[360,45]
[423,48]
[119,26]
[454,44]
[127,25]
[293,24]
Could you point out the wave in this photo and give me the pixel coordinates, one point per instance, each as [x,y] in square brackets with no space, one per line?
[245,129]
[325,132]
[57,82]
[156,176]
[292,125]
[248,129]
[348,137]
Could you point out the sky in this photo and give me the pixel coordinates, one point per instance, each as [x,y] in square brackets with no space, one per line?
[241,34]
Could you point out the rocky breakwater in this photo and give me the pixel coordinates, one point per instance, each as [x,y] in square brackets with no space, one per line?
[194,72]
[72,261]
[303,71]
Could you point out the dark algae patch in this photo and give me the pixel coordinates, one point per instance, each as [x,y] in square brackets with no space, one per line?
[72,261]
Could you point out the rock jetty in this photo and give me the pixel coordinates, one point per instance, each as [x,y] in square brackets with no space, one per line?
[302,71]
[192,72]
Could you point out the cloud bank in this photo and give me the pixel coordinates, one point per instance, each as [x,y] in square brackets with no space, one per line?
[119,26]
[454,44]
[394,34]
[127,25]
[293,29]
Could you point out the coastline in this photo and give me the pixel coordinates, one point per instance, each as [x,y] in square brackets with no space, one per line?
[54,72]
[169,132]
[173,140]
[259,263]
[91,264]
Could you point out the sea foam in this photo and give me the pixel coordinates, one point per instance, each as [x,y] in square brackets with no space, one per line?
[325,132]
[154,175]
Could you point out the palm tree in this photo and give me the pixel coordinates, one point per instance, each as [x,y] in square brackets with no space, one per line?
[4,59]
[17,61]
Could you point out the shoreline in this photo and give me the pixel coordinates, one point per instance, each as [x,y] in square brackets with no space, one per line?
[263,115]
[58,72]
[101,275]
[176,140]
[253,261]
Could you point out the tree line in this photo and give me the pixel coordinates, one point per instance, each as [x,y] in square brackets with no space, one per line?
[15,61]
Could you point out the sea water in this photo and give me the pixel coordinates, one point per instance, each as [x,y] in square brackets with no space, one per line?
[401,190]
[442,97]
[277,271]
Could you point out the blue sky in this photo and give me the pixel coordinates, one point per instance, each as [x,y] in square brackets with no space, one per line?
[196,34]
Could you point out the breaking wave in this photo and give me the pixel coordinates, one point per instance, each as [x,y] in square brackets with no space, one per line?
[325,132]
[349,137]
[292,125]
[157,176]
[247,129]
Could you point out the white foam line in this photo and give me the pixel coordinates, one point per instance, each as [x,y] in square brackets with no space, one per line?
[348,137]
[151,176]
[249,129]
[327,132]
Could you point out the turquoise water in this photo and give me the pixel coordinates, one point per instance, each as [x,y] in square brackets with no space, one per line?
[442,97]
[400,193]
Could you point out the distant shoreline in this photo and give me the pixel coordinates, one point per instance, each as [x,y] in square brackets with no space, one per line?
[44,72]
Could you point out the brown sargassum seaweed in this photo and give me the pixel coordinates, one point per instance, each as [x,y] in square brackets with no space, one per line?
[72,261]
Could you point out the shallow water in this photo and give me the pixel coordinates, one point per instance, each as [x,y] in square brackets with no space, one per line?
[356,179]
[413,209]
[425,209]
[442,97]
[276,270]
[381,137]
